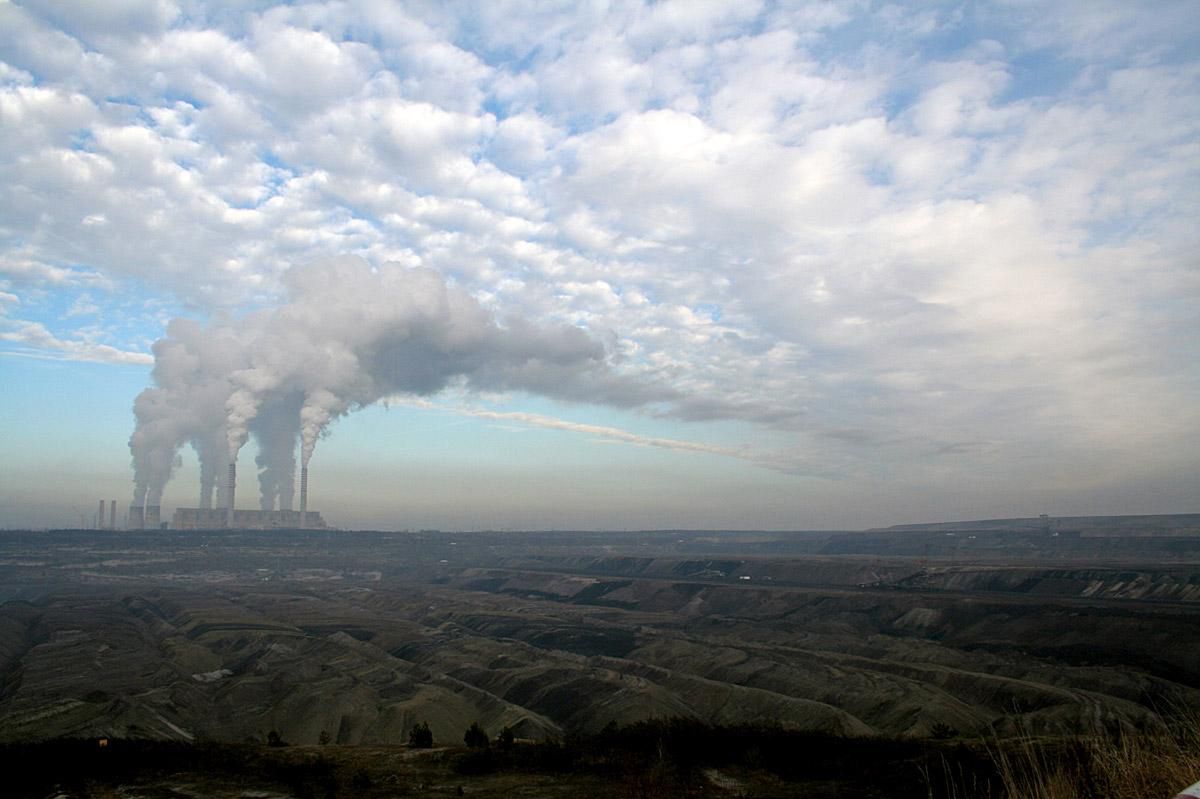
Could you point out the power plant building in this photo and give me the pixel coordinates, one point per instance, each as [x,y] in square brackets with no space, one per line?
[218,518]
[229,517]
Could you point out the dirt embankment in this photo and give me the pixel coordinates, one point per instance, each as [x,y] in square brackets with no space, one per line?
[1174,585]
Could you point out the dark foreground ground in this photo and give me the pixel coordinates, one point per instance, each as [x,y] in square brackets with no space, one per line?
[645,760]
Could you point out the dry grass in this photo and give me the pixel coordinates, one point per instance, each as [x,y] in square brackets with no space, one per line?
[1147,766]
[1126,766]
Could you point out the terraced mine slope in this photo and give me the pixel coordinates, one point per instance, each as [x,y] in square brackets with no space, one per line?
[355,637]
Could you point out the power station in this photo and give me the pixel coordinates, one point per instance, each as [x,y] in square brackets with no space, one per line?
[112,516]
[215,519]
[148,517]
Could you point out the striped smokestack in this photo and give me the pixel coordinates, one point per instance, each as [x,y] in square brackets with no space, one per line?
[112,515]
[303,497]
[232,485]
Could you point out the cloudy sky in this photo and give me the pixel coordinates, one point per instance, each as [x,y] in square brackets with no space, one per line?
[856,263]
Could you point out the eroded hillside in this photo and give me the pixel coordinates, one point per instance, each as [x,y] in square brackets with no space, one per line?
[356,637]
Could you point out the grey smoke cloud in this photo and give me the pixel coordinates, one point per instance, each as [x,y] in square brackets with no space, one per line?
[348,336]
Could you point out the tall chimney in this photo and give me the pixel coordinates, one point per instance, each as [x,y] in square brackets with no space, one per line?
[100,517]
[232,484]
[137,517]
[303,497]
[112,515]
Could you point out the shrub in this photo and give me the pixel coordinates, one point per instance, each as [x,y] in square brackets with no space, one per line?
[420,737]
[942,731]
[475,737]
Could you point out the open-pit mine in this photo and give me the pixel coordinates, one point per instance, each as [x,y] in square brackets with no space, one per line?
[352,638]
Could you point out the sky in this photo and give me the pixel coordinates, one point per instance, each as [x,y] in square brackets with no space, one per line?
[796,265]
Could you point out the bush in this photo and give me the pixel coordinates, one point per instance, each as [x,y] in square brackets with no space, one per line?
[420,737]
[942,731]
[475,737]
[506,738]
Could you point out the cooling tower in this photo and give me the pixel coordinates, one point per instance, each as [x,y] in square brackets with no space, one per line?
[112,515]
[303,497]
[152,517]
[137,517]
[232,486]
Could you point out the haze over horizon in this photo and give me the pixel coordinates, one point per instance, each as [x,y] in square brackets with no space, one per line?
[632,265]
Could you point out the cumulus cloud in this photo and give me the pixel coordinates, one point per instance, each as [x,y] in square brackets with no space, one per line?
[35,340]
[897,242]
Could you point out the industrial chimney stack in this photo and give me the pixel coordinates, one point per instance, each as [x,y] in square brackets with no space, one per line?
[232,484]
[112,515]
[100,517]
[303,497]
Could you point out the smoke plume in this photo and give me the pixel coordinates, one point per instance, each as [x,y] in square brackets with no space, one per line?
[348,336]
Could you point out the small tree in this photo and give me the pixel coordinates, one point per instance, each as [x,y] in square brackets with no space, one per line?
[323,738]
[506,738]
[420,737]
[273,739]
[942,731]
[475,737]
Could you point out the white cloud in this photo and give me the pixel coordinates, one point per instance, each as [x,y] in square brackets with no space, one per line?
[112,18]
[524,143]
[878,247]
[36,341]
[21,268]
[84,305]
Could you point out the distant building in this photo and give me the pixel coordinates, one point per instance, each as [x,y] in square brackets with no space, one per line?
[215,519]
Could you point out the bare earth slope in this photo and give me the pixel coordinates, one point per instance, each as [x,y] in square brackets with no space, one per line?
[229,635]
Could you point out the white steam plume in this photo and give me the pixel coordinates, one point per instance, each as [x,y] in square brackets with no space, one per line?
[320,407]
[187,404]
[348,336]
[275,429]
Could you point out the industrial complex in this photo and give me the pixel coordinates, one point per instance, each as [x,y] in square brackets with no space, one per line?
[149,517]
[216,518]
